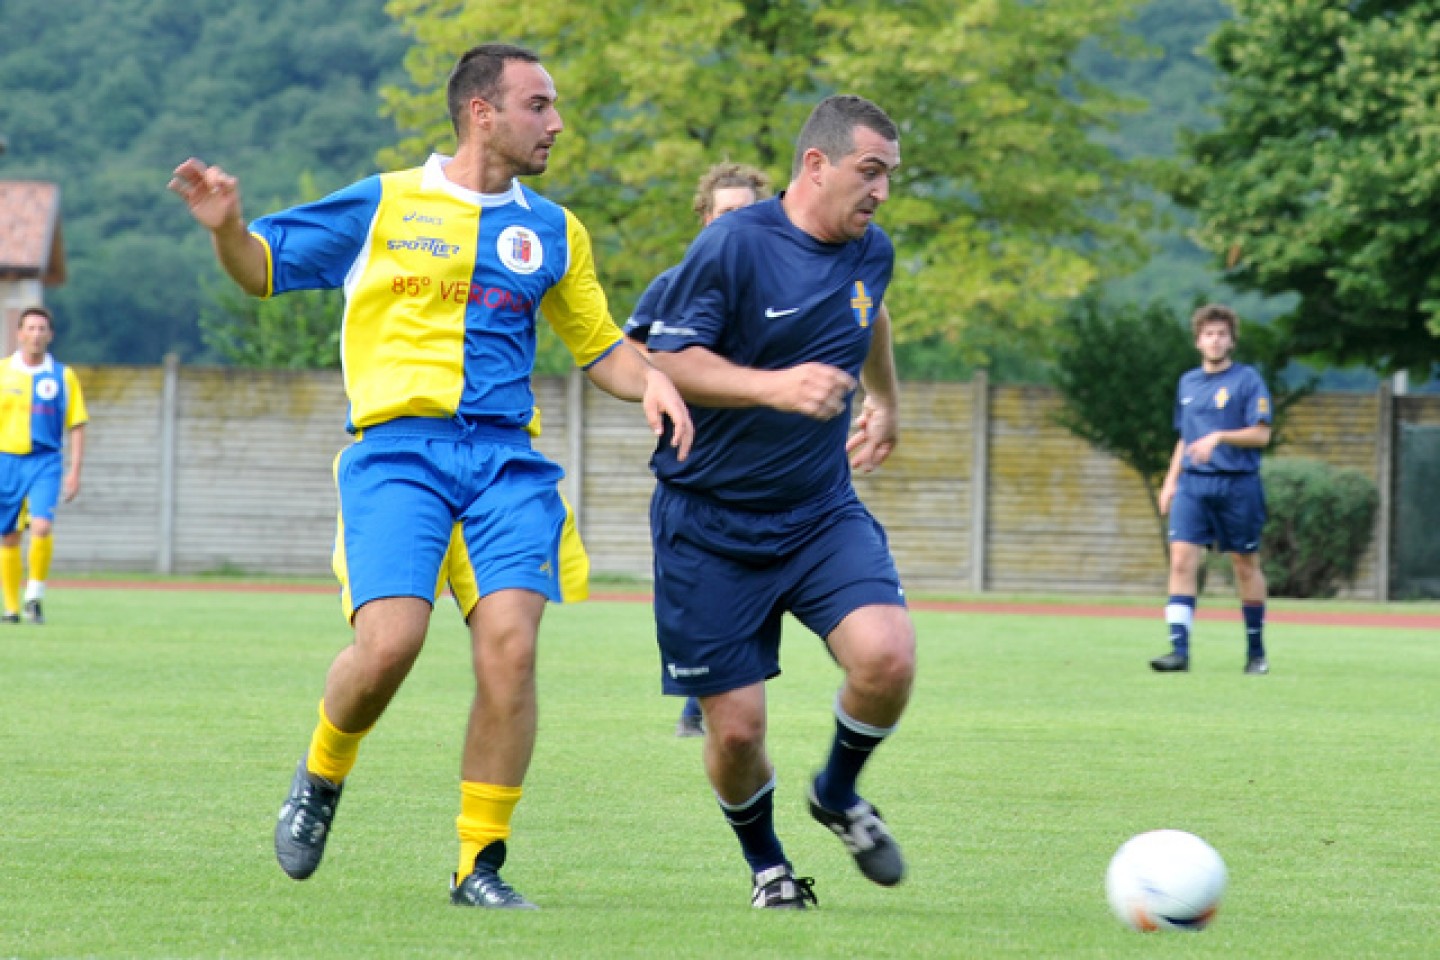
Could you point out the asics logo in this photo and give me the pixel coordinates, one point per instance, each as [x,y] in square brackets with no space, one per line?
[772,313]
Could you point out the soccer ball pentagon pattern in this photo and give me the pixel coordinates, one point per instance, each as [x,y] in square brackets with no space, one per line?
[1165,880]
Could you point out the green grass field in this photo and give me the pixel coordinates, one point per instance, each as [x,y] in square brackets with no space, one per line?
[147,739]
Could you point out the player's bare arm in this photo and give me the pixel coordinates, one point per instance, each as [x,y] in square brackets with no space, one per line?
[877,429]
[1172,478]
[1252,436]
[625,373]
[213,197]
[71,487]
[707,379]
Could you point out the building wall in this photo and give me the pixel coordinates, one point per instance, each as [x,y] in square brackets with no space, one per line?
[249,485]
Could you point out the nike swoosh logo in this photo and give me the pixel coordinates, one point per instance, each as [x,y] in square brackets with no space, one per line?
[772,313]
[1186,401]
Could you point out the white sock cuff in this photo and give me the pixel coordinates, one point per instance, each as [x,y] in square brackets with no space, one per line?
[746,805]
[1180,613]
[865,729]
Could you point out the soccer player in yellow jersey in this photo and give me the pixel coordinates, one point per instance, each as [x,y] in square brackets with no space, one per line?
[40,400]
[446,270]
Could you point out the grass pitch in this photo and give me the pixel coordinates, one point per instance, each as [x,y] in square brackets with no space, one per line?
[147,739]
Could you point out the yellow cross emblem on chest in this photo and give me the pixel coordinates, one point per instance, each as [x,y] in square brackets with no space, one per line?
[861,304]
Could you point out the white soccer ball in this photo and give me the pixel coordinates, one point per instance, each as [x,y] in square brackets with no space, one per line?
[1165,880]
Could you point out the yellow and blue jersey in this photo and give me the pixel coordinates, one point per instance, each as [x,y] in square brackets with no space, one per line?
[38,405]
[443,289]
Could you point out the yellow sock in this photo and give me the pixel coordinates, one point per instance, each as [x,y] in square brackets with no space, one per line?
[332,750]
[485,811]
[10,571]
[41,550]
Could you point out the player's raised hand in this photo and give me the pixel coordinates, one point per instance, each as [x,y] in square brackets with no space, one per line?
[816,390]
[873,436]
[212,195]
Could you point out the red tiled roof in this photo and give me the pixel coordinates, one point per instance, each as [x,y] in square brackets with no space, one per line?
[31,246]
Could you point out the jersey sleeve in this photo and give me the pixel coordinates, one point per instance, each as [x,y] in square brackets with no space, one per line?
[1257,400]
[313,246]
[75,413]
[693,310]
[640,322]
[575,307]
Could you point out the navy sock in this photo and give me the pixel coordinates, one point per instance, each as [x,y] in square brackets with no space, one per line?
[854,741]
[1254,614]
[691,708]
[1179,614]
[754,824]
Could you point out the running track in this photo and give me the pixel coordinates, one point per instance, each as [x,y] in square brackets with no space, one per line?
[1229,611]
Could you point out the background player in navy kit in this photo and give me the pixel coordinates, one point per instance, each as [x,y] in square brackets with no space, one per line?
[724,187]
[1213,492]
[765,328]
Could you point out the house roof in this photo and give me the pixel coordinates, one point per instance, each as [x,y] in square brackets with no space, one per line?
[31,245]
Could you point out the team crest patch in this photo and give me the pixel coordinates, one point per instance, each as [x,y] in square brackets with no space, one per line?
[47,389]
[860,303]
[1222,397]
[519,249]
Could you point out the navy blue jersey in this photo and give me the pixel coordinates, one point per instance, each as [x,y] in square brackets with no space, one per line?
[643,317]
[1233,399]
[762,293]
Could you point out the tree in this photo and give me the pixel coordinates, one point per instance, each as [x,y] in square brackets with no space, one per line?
[1116,368]
[1324,175]
[1004,208]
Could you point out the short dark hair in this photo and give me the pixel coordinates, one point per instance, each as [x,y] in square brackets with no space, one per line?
[724,175]
[831,127]
[1215,313]
[39,311]
[477,74]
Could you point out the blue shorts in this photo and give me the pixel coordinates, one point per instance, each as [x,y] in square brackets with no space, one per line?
[1223,509]
[724,577]
[31,479]
[407,487]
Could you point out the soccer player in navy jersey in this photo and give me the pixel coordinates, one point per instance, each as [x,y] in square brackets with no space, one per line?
[40,401]
[724,187]
[767,327]
[446,269]
[1212,491]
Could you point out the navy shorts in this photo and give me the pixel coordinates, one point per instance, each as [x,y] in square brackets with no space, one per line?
[1223,509]
[724,578]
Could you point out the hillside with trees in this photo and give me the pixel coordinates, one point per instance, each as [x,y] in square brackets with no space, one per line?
[106,98]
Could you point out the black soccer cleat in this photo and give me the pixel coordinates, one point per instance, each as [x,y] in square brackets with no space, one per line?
[304,823]
[33,613]
[1258,666]
[10,618]
[483,887]
[1171,663]
[867,838]
[779,889]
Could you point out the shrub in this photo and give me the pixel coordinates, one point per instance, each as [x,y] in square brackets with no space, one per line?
[1321,522]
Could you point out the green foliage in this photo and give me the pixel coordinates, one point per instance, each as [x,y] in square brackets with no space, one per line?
[106,98]
[1116,368]
[1321,522]
[1005,207]
[1322,179]
[298,331]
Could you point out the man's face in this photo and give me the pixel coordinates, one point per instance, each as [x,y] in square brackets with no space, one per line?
[35,334]
[1214,342]
[525,121]
[725,199]
[856,186]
